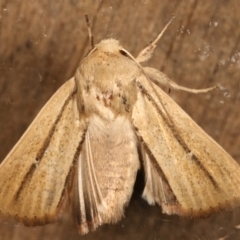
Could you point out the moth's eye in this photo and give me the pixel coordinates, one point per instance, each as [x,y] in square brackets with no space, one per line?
[125,54]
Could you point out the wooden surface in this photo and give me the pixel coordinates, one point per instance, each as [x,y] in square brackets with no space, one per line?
[41,44]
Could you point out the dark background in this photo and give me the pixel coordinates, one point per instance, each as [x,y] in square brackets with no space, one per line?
[41,44]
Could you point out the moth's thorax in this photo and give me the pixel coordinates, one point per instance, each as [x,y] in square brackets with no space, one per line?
[106,80]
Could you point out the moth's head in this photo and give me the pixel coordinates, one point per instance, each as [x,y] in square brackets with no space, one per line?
[109,45]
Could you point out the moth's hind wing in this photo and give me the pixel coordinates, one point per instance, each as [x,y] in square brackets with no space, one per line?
[34,175]
[187,172]
[156,188]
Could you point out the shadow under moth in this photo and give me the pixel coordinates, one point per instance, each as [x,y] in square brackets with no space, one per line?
[87,142]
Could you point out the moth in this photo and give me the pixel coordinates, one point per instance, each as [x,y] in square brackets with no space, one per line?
[88,140]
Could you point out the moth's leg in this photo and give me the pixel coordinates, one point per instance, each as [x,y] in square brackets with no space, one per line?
[160,78]
[147,52]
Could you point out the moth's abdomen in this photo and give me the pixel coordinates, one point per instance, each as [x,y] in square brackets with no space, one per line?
[108,165]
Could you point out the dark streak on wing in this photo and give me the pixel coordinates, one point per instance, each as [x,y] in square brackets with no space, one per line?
[75,159]
[26,178]
[88,209]
[48,139]
[88,188]
[177,135]
[76,211]
[42,150]
[157,167]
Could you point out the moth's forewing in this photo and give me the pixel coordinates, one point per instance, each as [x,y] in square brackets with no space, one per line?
[34,175]
[199,177]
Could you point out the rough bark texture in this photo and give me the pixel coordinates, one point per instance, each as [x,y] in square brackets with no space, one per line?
[41,44]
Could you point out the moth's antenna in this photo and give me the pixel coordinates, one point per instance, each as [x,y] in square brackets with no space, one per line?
[147,52]
[91,40]
[153,43]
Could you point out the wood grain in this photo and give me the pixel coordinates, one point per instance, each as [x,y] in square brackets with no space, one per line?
[41,44]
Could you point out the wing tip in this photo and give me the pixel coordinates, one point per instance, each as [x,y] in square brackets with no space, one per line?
[228,205]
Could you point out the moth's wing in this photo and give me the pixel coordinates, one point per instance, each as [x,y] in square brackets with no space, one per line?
[187,172]
[34,175]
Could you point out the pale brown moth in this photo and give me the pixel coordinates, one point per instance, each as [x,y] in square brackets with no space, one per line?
[90,137]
